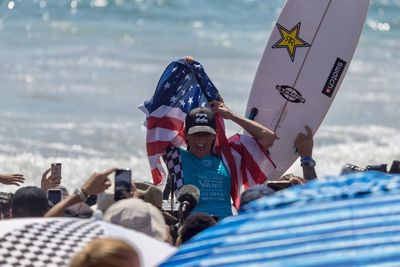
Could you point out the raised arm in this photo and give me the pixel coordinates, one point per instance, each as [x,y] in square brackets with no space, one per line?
[262,134]
[48,181]
[304,144]
[96,184]
[12,179]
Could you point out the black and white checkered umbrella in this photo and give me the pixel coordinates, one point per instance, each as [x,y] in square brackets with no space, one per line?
[53,242]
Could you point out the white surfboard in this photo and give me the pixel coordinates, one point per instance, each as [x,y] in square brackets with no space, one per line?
[303,65]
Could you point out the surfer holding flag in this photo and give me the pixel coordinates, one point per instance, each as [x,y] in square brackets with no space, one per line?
[201,163]
[185,127]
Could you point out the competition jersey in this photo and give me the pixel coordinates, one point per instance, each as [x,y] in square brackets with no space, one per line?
[212,178]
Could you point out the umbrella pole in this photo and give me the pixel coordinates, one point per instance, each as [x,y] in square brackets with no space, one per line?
[172,191]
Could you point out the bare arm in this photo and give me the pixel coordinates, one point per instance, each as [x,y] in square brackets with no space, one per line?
[262,134]
[58,210]
[304,145]
[309,173]
[97,183]
[12,179]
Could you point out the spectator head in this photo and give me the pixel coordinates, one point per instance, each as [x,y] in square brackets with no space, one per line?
[255,192]
[106,252]
[193,225]
[134,213]
[5,205]
[29,201]
[149,193]
[104,200]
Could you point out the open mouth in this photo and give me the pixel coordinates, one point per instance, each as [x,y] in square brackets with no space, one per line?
[200,147]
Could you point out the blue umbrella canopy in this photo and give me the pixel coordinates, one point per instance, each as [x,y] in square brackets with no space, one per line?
[352,220]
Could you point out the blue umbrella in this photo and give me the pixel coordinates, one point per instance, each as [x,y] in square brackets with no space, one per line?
[352,220]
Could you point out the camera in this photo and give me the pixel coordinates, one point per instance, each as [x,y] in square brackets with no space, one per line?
[395,167]
[349,168]
[379,168]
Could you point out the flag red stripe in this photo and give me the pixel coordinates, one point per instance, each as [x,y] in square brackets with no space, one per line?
[224,148]
[258,176]
[157,147]
[165,122]
[266,153]
[157,177]
[234,142]
[249,163]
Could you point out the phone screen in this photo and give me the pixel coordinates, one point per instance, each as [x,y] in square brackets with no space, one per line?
[54,195]
[123,183]
[56,170]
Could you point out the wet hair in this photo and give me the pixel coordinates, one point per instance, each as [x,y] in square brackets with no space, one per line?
[106,252]
[194,224]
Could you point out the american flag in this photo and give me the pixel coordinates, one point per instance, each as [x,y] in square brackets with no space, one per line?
[183,86]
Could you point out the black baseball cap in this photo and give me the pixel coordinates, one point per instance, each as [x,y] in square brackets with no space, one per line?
[29,201]
[200,120]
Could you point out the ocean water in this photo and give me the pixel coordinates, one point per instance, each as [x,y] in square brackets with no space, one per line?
[72,73]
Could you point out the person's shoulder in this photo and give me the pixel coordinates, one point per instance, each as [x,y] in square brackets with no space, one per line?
[182,150]
[171,149]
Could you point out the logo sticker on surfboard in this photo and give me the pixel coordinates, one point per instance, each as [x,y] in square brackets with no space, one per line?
[334,77]
[290,40]
[290,94]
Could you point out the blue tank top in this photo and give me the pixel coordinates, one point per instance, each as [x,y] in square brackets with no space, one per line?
[212,178]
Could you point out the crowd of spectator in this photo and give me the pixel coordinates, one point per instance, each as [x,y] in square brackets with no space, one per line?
[141,209]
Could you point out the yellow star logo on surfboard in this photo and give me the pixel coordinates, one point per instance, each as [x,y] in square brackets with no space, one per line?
[290,40]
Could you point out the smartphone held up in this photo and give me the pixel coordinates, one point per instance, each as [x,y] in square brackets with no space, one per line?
[54,195]
[56,170]
[123,184]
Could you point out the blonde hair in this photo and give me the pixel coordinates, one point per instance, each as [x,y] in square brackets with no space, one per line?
[106,252]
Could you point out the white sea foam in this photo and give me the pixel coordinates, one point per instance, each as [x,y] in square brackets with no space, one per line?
[334,147]
[74,170]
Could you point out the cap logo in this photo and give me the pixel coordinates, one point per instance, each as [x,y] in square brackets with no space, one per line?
[201,118]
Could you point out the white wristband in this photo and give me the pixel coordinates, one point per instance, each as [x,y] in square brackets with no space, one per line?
[80,193]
